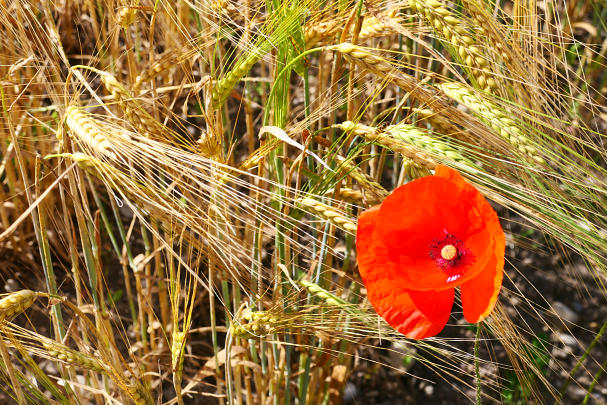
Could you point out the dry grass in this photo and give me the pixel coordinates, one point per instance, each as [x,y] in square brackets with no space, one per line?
[182,180]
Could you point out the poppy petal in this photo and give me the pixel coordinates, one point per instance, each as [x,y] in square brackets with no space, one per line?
[479,294]
[366,225]
[415,314]
[449,174]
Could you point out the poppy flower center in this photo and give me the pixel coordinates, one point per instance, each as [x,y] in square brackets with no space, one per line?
[450,254]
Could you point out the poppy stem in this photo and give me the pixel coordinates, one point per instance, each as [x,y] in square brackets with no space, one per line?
[477,371]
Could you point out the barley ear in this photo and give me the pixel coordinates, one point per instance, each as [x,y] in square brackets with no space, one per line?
[330,214]
[460,36]
[493,116]
[72,357]
[209,144]
[256,324]
[373,192]
[84,129]
[15,303]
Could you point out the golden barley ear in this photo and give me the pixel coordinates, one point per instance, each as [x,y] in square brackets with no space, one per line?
[134,112]
[16,303]
[256,324]
[459,35]
[329,213]
[209,144]
[372,192]
[86,130]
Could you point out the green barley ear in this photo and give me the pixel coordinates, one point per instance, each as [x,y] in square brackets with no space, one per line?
[422,140]
[494,116]
[282,22]
[409,151]
[177,357]
[72,357]
[412,142]
[326,296]
[332,300]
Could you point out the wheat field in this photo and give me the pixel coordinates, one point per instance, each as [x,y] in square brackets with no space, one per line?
[181,183]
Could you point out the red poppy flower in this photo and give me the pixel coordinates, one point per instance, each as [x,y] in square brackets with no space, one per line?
[429,236]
